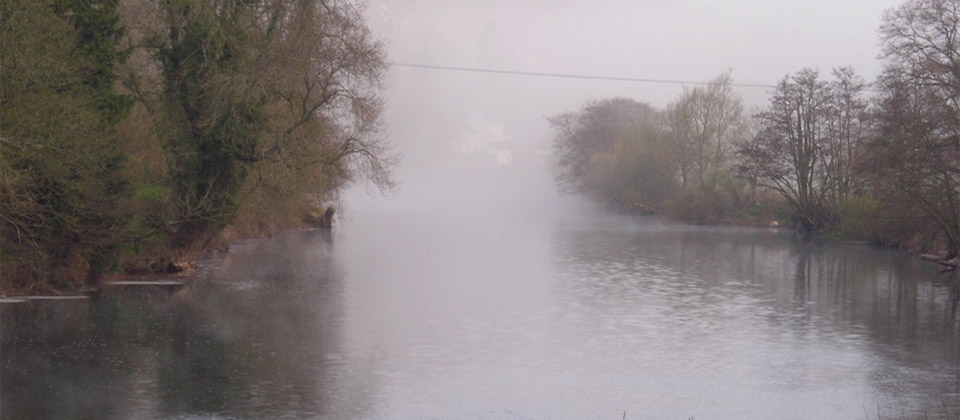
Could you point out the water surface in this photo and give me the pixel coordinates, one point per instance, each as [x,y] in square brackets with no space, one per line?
[470,309]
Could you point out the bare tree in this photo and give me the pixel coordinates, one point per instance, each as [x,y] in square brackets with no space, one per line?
[322,70]
[918,142]
[727,115]
[807,144]
[703,123]
[847,130]
[690,134]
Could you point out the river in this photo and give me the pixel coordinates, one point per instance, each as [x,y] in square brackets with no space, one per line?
[472,308]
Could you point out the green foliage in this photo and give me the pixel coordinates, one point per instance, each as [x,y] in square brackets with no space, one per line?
[859,218]
[596,129]
[635,173]
[719,197]
[209,129]
[246,111]
[61,170]
[153,194]
[98,36]
[257,93]
[629,154]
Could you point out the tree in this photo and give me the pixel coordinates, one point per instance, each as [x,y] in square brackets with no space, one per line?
[210,120]
[258,109]
[808,140]
[260,103]
[615,151]
[918,141]
[98,37]
[704,122]
[636,173]
[61,170]
[323,81]
[848,127]
[579,136]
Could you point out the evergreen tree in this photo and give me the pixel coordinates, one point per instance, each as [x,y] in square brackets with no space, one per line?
[61,170]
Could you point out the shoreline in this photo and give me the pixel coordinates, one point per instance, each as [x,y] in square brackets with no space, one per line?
[938,256]
[188,270]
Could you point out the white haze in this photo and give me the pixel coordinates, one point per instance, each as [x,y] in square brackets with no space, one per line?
[441,121]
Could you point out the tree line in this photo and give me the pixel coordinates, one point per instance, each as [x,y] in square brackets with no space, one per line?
[873,161]
[134,131]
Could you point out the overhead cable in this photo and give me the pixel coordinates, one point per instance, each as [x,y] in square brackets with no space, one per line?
[569,76]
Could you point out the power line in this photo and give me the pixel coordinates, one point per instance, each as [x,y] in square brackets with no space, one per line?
[569,76]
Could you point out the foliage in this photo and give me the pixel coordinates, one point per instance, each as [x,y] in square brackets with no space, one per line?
[859,218]
[209,126]
[633,156]
[263,105]
[722,196]
[635,173]
[145,128]
[885,169]
[61,173]
[595,129]
[97,39]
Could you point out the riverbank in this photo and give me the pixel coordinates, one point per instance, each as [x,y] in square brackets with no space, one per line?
[163,261]
[916,246]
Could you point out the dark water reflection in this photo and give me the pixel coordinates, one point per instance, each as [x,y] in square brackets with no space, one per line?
[405,316]
[257,339]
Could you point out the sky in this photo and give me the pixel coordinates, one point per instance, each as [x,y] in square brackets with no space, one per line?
[430,112]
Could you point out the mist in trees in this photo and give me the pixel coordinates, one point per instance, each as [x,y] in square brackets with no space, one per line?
[703,122]
[673,161]
[593,131]
[135,129]
[835,154]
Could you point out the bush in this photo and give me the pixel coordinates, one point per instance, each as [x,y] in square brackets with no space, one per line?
[859,219]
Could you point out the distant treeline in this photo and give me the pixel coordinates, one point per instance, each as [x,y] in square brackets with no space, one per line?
[137,131]
[872,161]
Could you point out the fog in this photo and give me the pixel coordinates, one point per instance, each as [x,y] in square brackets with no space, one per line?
[475,290]
[447,123]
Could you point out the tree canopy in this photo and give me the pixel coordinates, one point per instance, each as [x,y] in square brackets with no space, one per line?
[135,129]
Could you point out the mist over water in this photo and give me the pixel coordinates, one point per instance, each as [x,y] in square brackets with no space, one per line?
[475,291]
[482,294]
[569,308]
